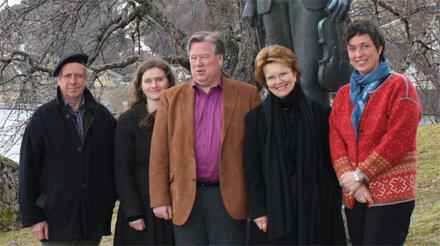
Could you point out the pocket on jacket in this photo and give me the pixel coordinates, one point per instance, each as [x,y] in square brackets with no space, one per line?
[41,201]
[51,197]
[45,200]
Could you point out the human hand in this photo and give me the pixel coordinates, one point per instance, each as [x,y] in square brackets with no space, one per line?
[164,212]
[348,183]
[261,223]
[40,230]
[138,225]
[363,195]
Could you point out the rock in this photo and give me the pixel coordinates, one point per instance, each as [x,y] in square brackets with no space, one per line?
[8,192]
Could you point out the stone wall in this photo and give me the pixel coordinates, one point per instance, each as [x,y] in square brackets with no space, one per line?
[8,192]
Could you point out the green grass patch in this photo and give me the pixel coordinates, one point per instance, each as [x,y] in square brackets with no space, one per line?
[20,237]
[425,221]
[25,237]
[7,217]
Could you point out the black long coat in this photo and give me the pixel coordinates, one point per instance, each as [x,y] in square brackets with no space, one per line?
[63,179]
[132,151]
[259,181]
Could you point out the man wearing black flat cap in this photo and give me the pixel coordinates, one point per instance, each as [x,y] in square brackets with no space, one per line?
[66,184]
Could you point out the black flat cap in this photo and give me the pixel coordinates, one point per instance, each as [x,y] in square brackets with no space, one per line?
[76,57]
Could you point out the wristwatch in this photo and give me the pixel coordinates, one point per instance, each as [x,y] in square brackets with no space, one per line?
[356,177]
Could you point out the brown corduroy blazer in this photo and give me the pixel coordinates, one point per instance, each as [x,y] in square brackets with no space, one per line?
[173,178]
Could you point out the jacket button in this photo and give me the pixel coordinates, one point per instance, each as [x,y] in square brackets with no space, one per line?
[83,186]
[67,116]
[79,149]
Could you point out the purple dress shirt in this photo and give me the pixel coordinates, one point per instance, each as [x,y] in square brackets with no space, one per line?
[208,112]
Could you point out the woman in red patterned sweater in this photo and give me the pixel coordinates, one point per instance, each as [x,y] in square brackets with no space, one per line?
[373,128]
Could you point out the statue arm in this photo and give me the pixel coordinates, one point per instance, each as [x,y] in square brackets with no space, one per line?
[338,9]
[250,12]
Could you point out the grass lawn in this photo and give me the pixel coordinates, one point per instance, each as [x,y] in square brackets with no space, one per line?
[425,222]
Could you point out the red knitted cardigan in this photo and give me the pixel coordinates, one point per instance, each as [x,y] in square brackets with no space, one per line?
[386,149]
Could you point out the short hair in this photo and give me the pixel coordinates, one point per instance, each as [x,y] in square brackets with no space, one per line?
[213,37]
[360,27]
[275,53]
[87,72]
[135,92]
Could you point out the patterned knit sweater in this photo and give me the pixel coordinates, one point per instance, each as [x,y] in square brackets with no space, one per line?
[386,149]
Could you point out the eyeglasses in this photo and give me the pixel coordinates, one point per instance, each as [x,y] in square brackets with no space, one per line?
[202,58]
[282,76]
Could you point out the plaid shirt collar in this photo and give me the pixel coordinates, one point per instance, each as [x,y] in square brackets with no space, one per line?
[78,116]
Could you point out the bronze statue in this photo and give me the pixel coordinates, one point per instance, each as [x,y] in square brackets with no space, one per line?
[313,29]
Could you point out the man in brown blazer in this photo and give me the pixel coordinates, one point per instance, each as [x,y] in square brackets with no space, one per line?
[196,160]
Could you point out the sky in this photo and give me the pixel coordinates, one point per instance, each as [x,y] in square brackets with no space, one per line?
[10,2]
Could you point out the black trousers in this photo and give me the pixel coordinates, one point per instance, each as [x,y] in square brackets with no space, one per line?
[209,222]
[379,225]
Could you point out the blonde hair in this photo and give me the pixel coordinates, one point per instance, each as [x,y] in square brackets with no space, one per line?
[213,37]
[275,53]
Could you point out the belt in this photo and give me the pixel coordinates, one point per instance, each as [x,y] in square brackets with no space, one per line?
[207,184]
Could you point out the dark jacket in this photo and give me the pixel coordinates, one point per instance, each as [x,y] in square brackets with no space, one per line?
[302,189]
[132,152]
[63,179]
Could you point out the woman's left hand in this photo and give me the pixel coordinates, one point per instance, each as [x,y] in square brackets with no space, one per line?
[138,225]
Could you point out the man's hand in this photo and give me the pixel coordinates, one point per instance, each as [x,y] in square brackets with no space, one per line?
[41,230]
[163,212]
[261,223]
[138,225]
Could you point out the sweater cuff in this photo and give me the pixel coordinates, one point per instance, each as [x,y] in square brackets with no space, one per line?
[363,174]
[133,218]
[374,165]
[341,166]
[31,222]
